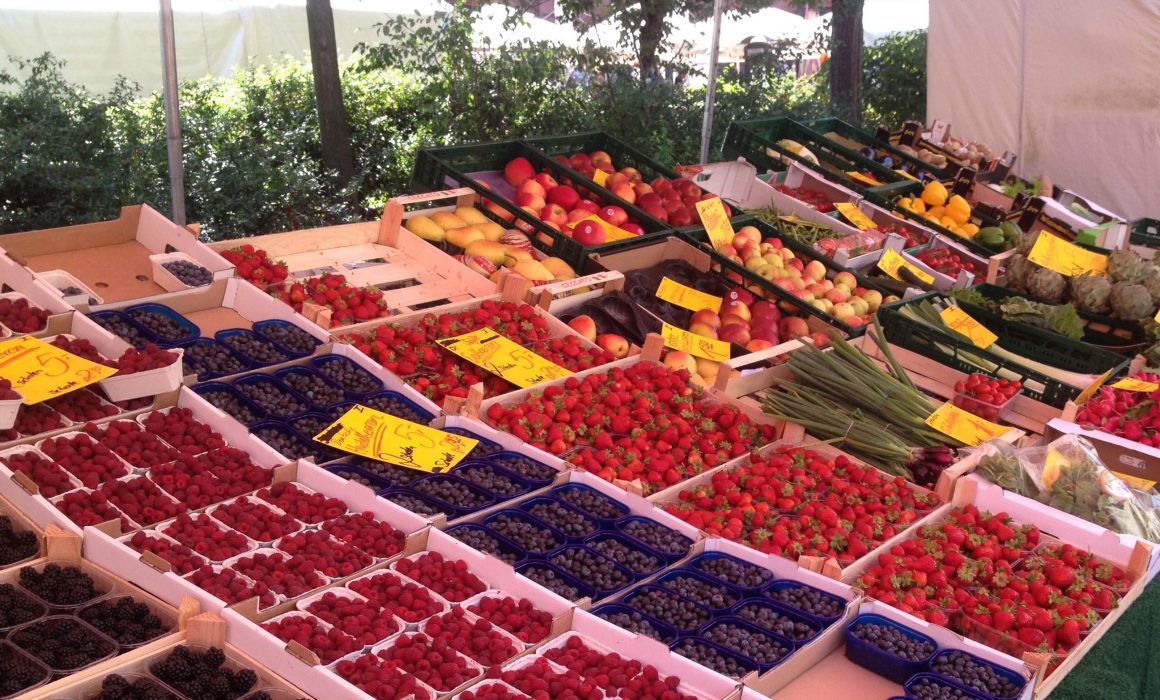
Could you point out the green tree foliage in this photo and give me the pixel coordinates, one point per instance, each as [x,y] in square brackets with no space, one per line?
[894,79]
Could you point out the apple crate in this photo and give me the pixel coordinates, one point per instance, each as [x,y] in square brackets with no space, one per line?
[481,168]
[851,140]
[759,142]
[411,273]
[112,257]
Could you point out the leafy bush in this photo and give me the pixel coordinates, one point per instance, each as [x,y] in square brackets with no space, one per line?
[894,79]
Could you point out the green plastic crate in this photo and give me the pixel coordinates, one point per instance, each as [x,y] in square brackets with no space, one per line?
[1146,232]
[458,166]
[1033,343]
[751,138]
[826,125]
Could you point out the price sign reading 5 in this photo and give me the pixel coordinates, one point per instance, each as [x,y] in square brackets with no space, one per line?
[40,371]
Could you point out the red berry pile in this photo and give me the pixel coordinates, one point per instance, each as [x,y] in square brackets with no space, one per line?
[141,500]
[911,237]
[446,577]
[230,587]
[412,350]
[149,357]
[234,467]
[831,507]
[1134,415]
[475,637]
[85,458]
[363,620]
[21,317]
[645,423]
[520,618]
[7,393]
[289,576]
[491,691]
[541,680]
[404,599]
[984,396]
[375,537]
[81,406]
[255,519]
[45,473]
[329,643]
[333,558]
[817,200]
[136,446]
[183,559]
[381,680]
[85,508]
[433,661]
[179,428]
[190,481]
[254,265]
[949,261]
[81,348]
[32,420]
[347,303]
[207,537]
[614,672]
[311,508]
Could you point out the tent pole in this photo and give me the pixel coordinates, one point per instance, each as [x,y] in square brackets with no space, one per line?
[172,115]
[711,91]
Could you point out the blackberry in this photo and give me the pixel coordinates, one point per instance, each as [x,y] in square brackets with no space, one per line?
[413,503]
[127,621]
[486,477]
[63,643]
[893,641]
[734,571]
[767,618]
[711,657]
[70,291]
[591,502]
[290,337]
[484,541]
[710,595]
[562,518]
[396,407]
[201,674]
[526,467]
[19,672]
[16,608]
[753,645]
[16,544]
[117,687]
[533,537]
[118,327]
[313,387]
[225,401]
[633,622]
[657,536]
[166,328]
[808,600]
[665,606]
[276,400]
[60,585]
[451,491]
[973,674]
[211,358]
[627,556]
[349,375]
[190,274]
[928,688]
[549,579]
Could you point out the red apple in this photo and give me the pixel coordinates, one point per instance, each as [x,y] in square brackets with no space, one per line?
[613,343]
[681,217]
[530,200]
[585,326]
[625,192]
[600,158]
[793,327]
[546,180]
[759,344]
[671,205]
[741,295]
[613,215]
[564,195]
[649,199]
[632,174]
[642,188]
[561,158]
[734,333]
[554,213]
[660,184]
[579,160]
[518,170]
[765,309]
[735,307]
[588,205]
[615,180]
[706,316]
[589,232]
[656,212]
[577,215]
[632,228]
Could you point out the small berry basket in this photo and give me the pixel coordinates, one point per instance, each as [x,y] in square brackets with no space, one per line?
[10,406]
[123,387]
[885,663]
[168,280]
[987,397]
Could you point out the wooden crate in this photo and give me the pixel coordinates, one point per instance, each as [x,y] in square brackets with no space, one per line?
[412,273]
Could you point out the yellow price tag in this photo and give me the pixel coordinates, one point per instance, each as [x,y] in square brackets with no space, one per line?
[907,175]
[864,179]
[600,177]
[386,438]
[687,297]
[1092,388]
[891,262]
[1136,482]
[963,426]
[611,233]
[715,222]
[1156,318]
[1130,384]
[40,371]
[504,357]
[1067,259]
[961,321]
[698,345]
[854,215]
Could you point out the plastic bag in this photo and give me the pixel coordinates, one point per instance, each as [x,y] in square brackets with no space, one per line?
[855,244]
[1068,475]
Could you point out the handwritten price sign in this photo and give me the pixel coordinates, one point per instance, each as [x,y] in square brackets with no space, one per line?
[687,297]
[854,215]
[891,262]
[959,320]
[697,345]
[40,371]
[1067,259]
[505,358]
[964,426]
[380,436]
[715,221]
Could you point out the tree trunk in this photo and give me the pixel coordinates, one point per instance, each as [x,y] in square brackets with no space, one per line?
[336,150]
[846,60]
[652,30]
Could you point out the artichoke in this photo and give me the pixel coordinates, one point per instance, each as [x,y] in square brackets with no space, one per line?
[1131,302]
[1128,266]
[1047,284]
[1090,292]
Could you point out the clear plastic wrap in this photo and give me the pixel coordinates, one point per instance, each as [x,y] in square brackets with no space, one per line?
[856,244]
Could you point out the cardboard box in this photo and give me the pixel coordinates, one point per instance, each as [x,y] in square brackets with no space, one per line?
[112,257]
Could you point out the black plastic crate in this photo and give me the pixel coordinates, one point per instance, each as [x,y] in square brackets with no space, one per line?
[753,138]
[1146,232]
[826,125]
[886,196]
[1034,344]
[459,166]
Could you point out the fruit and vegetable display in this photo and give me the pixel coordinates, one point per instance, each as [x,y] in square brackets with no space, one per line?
[936,205]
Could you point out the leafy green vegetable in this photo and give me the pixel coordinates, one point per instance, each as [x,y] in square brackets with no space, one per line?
[1016,187]
[1061,318]
[973,296]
